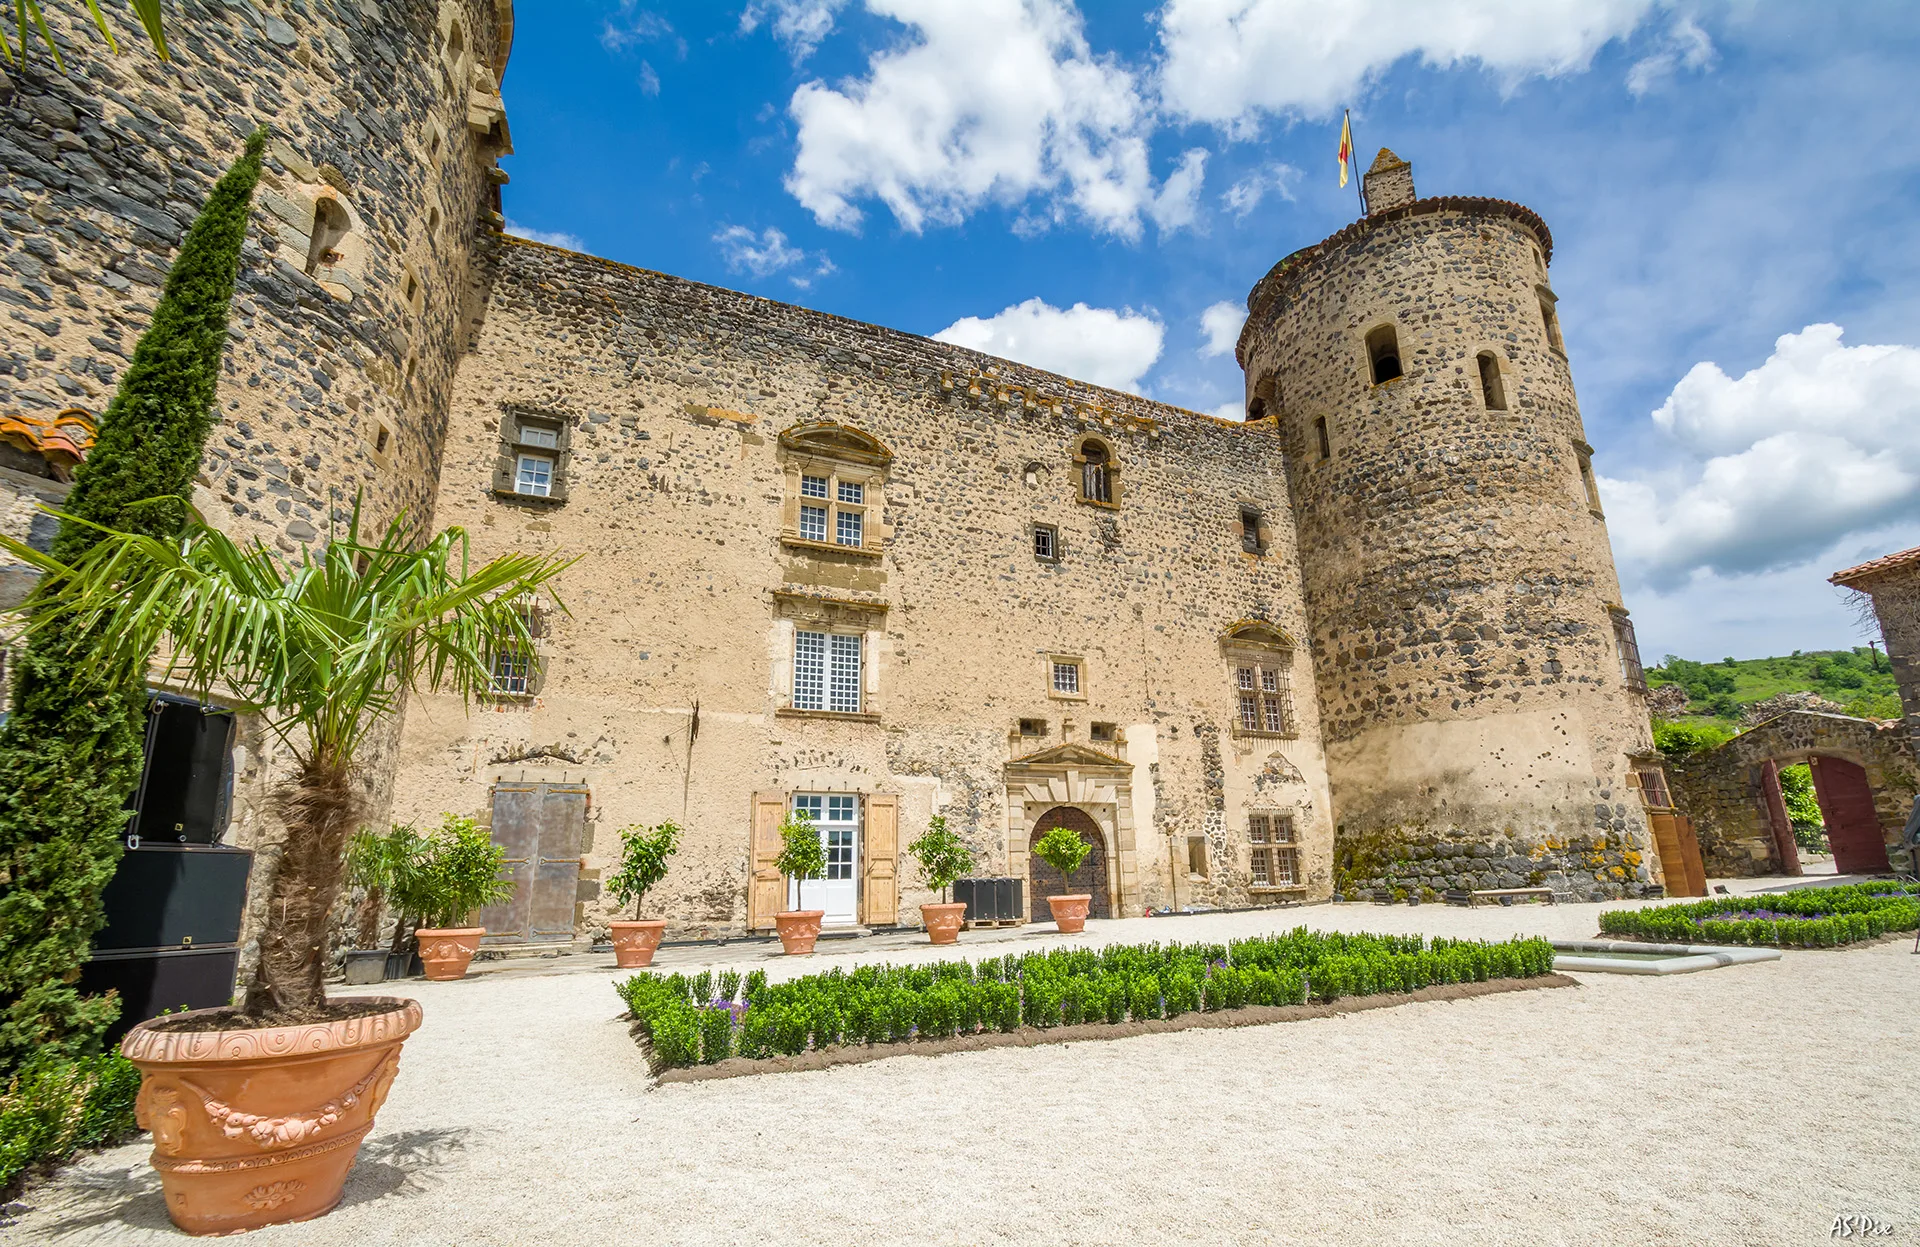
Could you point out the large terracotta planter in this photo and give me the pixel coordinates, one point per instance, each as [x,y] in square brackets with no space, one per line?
[634,943]
[447,951]
[1070,912]
[943,921]
[798,928]
[255,1127]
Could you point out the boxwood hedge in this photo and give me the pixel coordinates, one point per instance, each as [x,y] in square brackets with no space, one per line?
[1805,918]
[694,1020]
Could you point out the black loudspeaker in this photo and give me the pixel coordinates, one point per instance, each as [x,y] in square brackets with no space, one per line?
[1009,897]
[185,784]
[152,982]
[174,896]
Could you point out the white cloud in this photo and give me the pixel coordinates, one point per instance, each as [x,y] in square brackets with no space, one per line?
[1245,195]
[1777,467]
[649,79]
[1686,46]
[767,252]
[1094,344]
[799,24]
[985,101]
[1221,326]
[553,238]
[1227,61]
[1235,411]
[630,26]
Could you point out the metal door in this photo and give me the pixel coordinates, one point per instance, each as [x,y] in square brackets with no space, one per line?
[542,827]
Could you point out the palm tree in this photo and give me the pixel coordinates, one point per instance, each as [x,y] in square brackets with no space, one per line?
[25,11]
[323,649]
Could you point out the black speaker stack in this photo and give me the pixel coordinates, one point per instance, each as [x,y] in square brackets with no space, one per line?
[996,899]
[173,908]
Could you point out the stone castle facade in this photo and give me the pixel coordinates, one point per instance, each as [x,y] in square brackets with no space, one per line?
[833,566]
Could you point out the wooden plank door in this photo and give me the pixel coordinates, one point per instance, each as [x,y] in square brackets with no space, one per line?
[556,869]
[1853,825]
[881,890]
[766,890]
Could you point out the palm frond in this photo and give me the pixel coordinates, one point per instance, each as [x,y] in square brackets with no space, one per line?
[100,20]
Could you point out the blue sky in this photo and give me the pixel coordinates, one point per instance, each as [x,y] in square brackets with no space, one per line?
[1732,189]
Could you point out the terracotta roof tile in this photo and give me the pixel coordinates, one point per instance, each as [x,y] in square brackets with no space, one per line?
[64,438]
[1852,576]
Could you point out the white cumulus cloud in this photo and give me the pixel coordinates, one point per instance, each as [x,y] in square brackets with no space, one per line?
[768,252]
[553,238]
[986,101]
[1776,467]
[1245,195]
[1097,344]
[1220,325]
[1228,61]
[799,24]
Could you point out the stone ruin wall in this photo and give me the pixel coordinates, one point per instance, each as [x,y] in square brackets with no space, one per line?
[1722,790]
[1896,604]
[1458,578]
[101,171]
[674,395]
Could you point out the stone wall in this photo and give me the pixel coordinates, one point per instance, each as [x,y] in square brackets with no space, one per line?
[1457,568]
[681,405]
[335,383]
[1722,790]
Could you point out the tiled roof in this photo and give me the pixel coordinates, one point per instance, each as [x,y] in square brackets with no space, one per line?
[1867,571]
[64,439]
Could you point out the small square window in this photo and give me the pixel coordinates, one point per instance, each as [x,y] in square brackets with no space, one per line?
[381,439]
[813,523]
[535,476]
[1066,677]
[1197,856]
[847,526]
[1106,733]
[1033,727]
[813,486]
[512,672]
[1046,542]
[1250,531]
[852,492]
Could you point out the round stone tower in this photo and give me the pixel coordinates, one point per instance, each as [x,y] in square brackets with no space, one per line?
[1482,700]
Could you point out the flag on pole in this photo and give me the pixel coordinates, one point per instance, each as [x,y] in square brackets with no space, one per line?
[1346,143]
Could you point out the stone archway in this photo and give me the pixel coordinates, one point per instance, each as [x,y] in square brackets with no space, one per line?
[1044,881]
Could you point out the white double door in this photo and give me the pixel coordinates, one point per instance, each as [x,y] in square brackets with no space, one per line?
[837,816]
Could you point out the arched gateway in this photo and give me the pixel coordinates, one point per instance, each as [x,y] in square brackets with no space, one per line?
[1044,881]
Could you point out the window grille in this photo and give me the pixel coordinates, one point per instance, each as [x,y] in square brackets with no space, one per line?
[1275,860]
[809,671]
[1265,698]
[1066,677]
[843,673]
[1653,788]
[813,486]
[1095,485]
[1045,543]
[813,523]
[512,672]
[534,477]
[1631,672]
[852,492]
[847,527]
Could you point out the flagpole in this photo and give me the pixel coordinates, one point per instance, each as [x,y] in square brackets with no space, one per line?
[1359,179]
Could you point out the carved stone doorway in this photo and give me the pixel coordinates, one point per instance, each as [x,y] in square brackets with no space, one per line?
[1044,881]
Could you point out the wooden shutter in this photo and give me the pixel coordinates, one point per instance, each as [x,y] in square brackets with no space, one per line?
[881,890]
[766,889]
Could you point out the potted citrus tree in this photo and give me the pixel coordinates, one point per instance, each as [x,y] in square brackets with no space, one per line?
[1064,850]
[643,863]
[800,860]
[943,857]
[458,873]
[257,1110]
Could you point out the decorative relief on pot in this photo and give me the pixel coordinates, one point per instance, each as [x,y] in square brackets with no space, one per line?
[273,1194]
[158,1108]
[172,1046]
[272,1132]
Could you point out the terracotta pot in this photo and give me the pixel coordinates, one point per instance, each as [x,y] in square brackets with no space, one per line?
[255,1127]
[634,943]
[446,951]
[1070,912]
[943,921]
[798,928]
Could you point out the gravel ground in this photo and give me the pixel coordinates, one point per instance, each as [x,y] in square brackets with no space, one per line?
[1747,1105]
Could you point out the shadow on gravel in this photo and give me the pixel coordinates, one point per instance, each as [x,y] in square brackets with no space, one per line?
[403,1164]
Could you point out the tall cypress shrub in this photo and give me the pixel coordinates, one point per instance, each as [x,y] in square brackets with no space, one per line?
[70,752]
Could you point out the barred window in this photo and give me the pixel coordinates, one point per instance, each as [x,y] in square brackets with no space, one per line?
[847,526]
[813,523]
[1275,859]
[512,672]
[1066,677]
[1631,673]
[1265,697]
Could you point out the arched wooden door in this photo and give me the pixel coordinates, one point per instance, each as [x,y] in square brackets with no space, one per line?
[1044,881]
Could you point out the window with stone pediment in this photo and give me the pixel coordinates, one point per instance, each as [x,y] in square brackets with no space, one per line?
[1259,661]
[534,456]
[835,477]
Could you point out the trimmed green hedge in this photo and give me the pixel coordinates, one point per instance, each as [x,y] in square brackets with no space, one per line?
[696,1021]
[53,1108]
[1807,918]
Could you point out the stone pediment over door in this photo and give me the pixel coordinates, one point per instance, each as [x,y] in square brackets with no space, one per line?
[1082,757]
[1091,780]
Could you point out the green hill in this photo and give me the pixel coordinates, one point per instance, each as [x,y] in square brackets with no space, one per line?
[1860,680]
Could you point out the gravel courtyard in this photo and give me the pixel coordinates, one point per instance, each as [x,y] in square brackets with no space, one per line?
[1746,1105]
